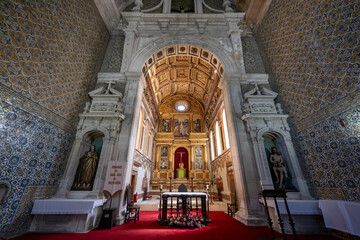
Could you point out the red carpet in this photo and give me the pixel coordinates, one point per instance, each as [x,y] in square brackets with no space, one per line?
[223,227]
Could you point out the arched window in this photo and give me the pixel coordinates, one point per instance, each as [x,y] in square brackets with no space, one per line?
[226,133]
[212,145]
[140,130]
[218,137]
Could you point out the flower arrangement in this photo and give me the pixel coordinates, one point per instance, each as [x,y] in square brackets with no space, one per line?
[186,221]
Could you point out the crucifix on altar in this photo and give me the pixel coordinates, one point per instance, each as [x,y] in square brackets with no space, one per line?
[181,171]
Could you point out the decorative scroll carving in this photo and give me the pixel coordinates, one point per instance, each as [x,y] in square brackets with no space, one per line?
[141,160]
[221,161]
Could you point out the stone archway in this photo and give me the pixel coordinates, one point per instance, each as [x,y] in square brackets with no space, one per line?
[250,210]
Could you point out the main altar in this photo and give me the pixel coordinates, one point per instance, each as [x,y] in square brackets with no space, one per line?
[181,146]
[181,203]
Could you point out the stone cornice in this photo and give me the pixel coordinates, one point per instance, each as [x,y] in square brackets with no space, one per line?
[188,22]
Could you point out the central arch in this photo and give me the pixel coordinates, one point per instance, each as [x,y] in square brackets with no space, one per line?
[223,51]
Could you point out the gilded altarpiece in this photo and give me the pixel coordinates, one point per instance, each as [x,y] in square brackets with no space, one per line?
[184,131]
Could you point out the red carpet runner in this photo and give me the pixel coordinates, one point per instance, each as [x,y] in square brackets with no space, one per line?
[223,227]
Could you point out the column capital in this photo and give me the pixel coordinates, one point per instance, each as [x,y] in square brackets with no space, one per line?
[133,75]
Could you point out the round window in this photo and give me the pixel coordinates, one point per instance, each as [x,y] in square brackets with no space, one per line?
[181,106]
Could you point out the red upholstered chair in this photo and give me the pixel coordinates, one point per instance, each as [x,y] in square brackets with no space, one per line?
[147,197]
[218,196]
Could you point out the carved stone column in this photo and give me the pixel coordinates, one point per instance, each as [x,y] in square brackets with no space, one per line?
[245,169]
[234,33]
[127,138]
[130,40]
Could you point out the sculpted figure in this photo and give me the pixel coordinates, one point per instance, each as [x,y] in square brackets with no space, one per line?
[278,166]
[88,168]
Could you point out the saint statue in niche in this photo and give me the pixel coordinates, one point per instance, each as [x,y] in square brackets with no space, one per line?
[86,171]
[278,166]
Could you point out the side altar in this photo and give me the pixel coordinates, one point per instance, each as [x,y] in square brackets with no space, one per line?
[92,169]
[66,215]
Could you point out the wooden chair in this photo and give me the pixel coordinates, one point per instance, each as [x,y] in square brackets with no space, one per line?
[132,211]
[183,188]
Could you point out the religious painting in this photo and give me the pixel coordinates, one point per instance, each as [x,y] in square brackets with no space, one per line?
[166,125]
[163,163]
[164,151]
[198,151]
[197,125]
[198,163]
[181,128]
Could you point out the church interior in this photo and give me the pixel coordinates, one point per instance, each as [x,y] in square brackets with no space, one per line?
[133,104]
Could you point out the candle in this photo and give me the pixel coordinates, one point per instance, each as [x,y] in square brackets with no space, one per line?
[207,186]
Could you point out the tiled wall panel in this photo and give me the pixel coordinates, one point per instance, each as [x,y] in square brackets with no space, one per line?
[313,55]
[50,53]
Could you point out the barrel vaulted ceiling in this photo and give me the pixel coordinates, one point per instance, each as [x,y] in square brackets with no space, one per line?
[183,69]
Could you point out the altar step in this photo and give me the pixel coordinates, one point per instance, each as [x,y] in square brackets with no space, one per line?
[153,205]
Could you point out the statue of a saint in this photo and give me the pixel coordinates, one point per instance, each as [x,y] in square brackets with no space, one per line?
[87,170]
[278,166]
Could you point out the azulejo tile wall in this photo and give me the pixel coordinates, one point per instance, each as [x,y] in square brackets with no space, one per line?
[113,57]
[252,58]
[331,154]
[50,53]
[312,48]
[32,154]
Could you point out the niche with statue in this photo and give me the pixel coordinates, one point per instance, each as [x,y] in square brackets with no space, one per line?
[277,159]
[88,164]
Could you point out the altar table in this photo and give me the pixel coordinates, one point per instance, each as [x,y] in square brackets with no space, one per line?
[183,196]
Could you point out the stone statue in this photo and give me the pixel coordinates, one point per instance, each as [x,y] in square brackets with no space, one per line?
[278,166]
[87,169]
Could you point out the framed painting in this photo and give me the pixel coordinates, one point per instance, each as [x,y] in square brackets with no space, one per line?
[164,151]
[165,125]
[198,151]
[197,125]
[181,128]
[198,163]
[163,163]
